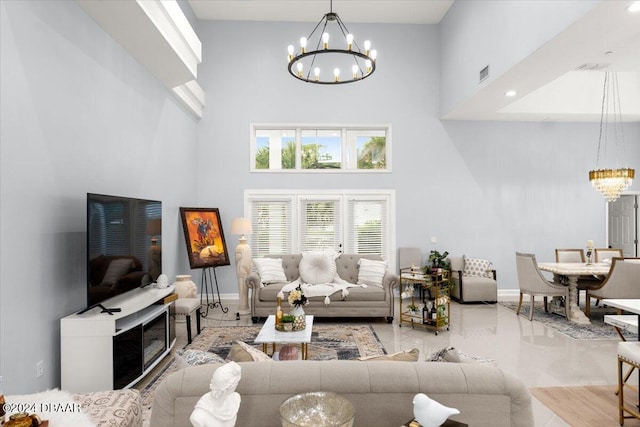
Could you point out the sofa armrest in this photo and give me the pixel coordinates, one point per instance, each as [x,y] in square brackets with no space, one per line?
[390,281]
[253,281]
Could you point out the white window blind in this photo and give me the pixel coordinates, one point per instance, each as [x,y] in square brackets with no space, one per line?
[272,222]
[320,220]
[367,226]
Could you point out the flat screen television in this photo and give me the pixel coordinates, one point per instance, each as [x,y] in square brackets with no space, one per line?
[124,245]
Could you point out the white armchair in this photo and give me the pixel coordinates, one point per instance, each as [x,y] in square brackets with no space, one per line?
[472,288]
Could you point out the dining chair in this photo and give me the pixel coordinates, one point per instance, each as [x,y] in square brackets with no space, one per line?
[533,283]
[622,282]
[607,253]
[577,255]
[570,255]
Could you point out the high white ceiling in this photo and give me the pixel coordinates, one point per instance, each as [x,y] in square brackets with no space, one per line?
[548,85]
[377,11]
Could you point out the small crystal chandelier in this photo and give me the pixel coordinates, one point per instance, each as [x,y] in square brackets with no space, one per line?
[323,64]
[611,182]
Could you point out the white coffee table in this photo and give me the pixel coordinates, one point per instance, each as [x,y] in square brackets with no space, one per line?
[269,335]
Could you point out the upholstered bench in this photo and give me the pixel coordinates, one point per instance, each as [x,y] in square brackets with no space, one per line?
[186,307]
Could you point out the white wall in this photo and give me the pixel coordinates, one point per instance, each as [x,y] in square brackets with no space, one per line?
[78,115]
[500,34]
[484,189]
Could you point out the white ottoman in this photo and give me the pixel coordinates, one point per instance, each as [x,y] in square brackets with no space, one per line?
[186,307]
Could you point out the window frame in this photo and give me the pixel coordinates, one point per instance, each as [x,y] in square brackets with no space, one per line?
[349,156]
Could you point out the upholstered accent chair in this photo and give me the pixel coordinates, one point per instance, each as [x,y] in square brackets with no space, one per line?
[607,253]
[409,257]
[477,286]
[622,282]
[577,255]
[533,283]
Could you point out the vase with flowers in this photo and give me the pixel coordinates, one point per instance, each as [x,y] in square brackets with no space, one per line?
[297,300]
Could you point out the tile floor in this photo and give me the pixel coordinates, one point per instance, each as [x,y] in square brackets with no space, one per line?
[536,354]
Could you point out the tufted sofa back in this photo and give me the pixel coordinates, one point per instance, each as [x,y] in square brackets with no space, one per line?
[346,265]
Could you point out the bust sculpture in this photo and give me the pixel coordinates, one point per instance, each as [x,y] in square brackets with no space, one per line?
[219,407]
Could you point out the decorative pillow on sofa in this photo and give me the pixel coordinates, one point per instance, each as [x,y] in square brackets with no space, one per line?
[113,408]
[192,357]
[318,267]
[270,270]
[371,272]
[450,354]
[243,352]
[402,356]
[476,267]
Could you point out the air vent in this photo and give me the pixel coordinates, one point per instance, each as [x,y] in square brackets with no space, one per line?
[592,67]
[484,73]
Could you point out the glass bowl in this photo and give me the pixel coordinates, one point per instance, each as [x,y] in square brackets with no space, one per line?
[317,409]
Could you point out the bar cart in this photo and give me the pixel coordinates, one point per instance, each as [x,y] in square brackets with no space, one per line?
[434,297]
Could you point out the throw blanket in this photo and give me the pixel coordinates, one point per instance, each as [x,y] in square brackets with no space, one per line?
[56,406]
[321,289]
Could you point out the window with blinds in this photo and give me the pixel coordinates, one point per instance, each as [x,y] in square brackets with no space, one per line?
[320,223]
[347,221]
[272,222]
[367,225]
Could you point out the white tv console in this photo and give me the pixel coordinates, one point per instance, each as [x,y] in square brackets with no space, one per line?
[100,351]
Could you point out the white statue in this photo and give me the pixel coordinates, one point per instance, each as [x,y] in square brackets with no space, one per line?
[219,407]
[430,413]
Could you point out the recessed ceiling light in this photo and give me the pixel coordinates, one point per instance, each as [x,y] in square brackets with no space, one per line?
[510,93]
[634,7]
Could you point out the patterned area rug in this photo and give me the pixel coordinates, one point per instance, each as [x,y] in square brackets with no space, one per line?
[597,330]
[328,342]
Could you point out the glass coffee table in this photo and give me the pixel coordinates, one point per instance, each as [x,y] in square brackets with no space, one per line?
[269,335]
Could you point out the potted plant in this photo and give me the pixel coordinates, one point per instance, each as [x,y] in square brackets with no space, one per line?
[413,309]
[439,260]
[287,322]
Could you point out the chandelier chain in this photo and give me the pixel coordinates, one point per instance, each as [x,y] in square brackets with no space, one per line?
[602,116]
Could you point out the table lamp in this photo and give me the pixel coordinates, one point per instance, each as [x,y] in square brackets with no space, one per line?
[242,227]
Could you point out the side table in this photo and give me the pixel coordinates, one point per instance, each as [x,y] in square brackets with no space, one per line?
[269,335]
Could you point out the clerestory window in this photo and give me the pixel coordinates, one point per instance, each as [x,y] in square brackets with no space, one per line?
[314,148]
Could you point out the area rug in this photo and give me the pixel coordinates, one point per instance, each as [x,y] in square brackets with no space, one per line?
[597,330]
[586,406]
[328,342]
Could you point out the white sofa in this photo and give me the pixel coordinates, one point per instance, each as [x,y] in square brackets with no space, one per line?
[372,301]
[381,391]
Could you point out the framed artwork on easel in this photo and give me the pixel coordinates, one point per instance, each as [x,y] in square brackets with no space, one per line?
[204,237]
